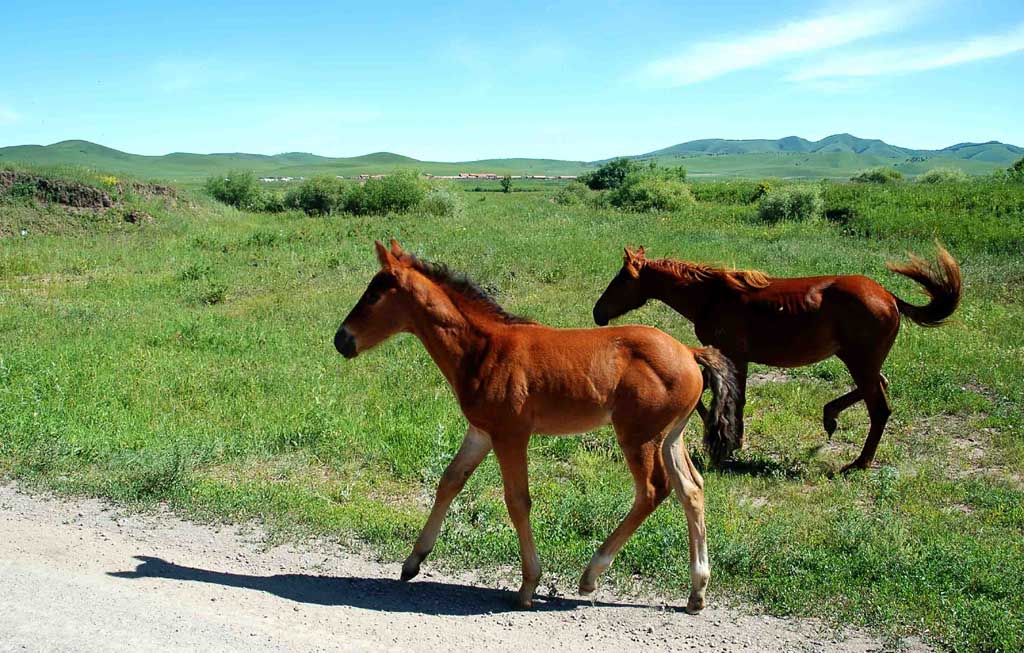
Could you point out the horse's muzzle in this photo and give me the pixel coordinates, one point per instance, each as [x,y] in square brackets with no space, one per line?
[345,343]
[600,319]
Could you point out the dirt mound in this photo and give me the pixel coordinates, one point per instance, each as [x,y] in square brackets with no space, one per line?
[60,191]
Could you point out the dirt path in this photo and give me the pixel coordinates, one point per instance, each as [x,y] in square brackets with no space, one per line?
[79,575]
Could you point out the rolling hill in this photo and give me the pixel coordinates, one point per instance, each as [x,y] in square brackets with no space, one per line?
[837,156]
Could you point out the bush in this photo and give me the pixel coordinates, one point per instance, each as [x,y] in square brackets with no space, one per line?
[442,202]
[572,194]
[395,193]
[650,192]
[880,175]
[319,195]
[795,203]
[506,184]
[1016,171]
[943,176]
[238,189]
[611,175]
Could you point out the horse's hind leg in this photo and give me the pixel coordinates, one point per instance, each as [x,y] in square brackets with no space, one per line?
[651,486]
[872,386]
[832,409]
[475,447]
[689,487]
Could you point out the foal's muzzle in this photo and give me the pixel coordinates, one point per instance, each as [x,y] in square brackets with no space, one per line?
[345,343]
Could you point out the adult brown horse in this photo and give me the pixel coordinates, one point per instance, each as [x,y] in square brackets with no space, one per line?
[790,322]
[513,377]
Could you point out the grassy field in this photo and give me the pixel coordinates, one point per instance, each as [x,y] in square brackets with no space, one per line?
[189,360]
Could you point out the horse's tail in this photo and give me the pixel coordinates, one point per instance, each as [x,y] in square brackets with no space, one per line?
[722,435]
[941,280]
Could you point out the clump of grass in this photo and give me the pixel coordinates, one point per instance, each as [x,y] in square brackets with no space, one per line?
[796,203]
[880,175]
[441,203]
[943,176]
[572,194]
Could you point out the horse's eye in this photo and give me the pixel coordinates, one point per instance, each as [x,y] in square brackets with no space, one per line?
[372,298]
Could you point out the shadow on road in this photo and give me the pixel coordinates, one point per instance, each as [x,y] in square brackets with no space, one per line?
[383,594]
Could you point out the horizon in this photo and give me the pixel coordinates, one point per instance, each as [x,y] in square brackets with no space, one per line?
[486,158]
[570,82]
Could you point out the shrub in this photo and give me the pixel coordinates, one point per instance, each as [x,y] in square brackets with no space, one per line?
[611,175]
[572,194]
[943,176]
[1016,171]
[880,175]
[318,195]
[395,193]
[506,184]
[794,203]
[238,189]
[442,202]
[648,192]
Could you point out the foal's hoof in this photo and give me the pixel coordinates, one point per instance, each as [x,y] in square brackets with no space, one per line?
[855,465]
[830,425]
[524,603]
[587,587]
[695,604]
[410,570]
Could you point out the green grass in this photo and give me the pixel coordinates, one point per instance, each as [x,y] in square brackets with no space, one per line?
[190,361]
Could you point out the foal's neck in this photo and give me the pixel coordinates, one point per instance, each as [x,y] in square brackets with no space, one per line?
[451,335]
[689,296]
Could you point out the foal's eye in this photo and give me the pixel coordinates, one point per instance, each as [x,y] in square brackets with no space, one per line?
[372,298]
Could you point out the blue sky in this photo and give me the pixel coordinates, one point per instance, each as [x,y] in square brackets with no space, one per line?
[457,81]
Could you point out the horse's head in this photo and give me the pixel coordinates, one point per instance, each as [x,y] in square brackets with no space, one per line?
[382,311]
[625,292]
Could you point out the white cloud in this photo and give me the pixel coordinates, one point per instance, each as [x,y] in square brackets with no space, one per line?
[709,59]
[8,116]
[908,60]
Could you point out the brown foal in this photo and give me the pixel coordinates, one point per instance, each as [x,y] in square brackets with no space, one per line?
[513,378]
[791,322]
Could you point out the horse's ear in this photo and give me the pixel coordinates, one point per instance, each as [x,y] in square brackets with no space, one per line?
[396,249]
[386,258]
[640,253]
[627,255]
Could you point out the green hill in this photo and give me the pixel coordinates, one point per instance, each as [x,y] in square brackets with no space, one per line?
[836,156]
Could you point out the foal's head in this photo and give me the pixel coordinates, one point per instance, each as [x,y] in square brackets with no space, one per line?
[382,311]
[625,293]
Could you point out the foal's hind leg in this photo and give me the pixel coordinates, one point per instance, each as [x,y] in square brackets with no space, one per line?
[872,387]
[689,487]
[511,452]
[650,489]
[475,446]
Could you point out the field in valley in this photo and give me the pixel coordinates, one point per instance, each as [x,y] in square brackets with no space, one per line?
[187,358]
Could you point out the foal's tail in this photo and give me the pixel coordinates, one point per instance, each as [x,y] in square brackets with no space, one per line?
[941,280]
[722,435]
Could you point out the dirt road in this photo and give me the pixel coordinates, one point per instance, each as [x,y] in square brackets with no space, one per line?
[79,575]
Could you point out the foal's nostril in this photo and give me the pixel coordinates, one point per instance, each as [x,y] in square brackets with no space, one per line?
[345,343]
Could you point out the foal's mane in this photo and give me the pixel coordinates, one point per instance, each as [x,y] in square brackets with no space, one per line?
[738,280]
[464,288]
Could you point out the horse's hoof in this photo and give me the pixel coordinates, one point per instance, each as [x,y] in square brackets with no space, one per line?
[524,604]
[587,588]
[695,605]
[830,427]
[409,571]
[854,466]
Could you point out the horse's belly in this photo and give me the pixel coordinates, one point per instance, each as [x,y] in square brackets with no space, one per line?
[570,419]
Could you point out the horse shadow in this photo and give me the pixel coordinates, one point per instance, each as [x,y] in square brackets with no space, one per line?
[380,594]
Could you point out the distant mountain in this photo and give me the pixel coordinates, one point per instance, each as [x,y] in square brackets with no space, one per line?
[992,151]
[836,156]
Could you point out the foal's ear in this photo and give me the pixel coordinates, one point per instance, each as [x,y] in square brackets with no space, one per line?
[386,258]
[396,249]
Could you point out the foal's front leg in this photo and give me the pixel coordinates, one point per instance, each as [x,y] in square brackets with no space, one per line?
[511,453]
[475,447]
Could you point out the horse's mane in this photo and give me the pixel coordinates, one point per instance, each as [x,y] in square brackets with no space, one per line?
[738,280]
[465,288]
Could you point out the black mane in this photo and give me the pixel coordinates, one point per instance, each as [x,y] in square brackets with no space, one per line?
[465,287]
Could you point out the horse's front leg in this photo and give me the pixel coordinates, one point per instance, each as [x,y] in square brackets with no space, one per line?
[511,453]
[475,446]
